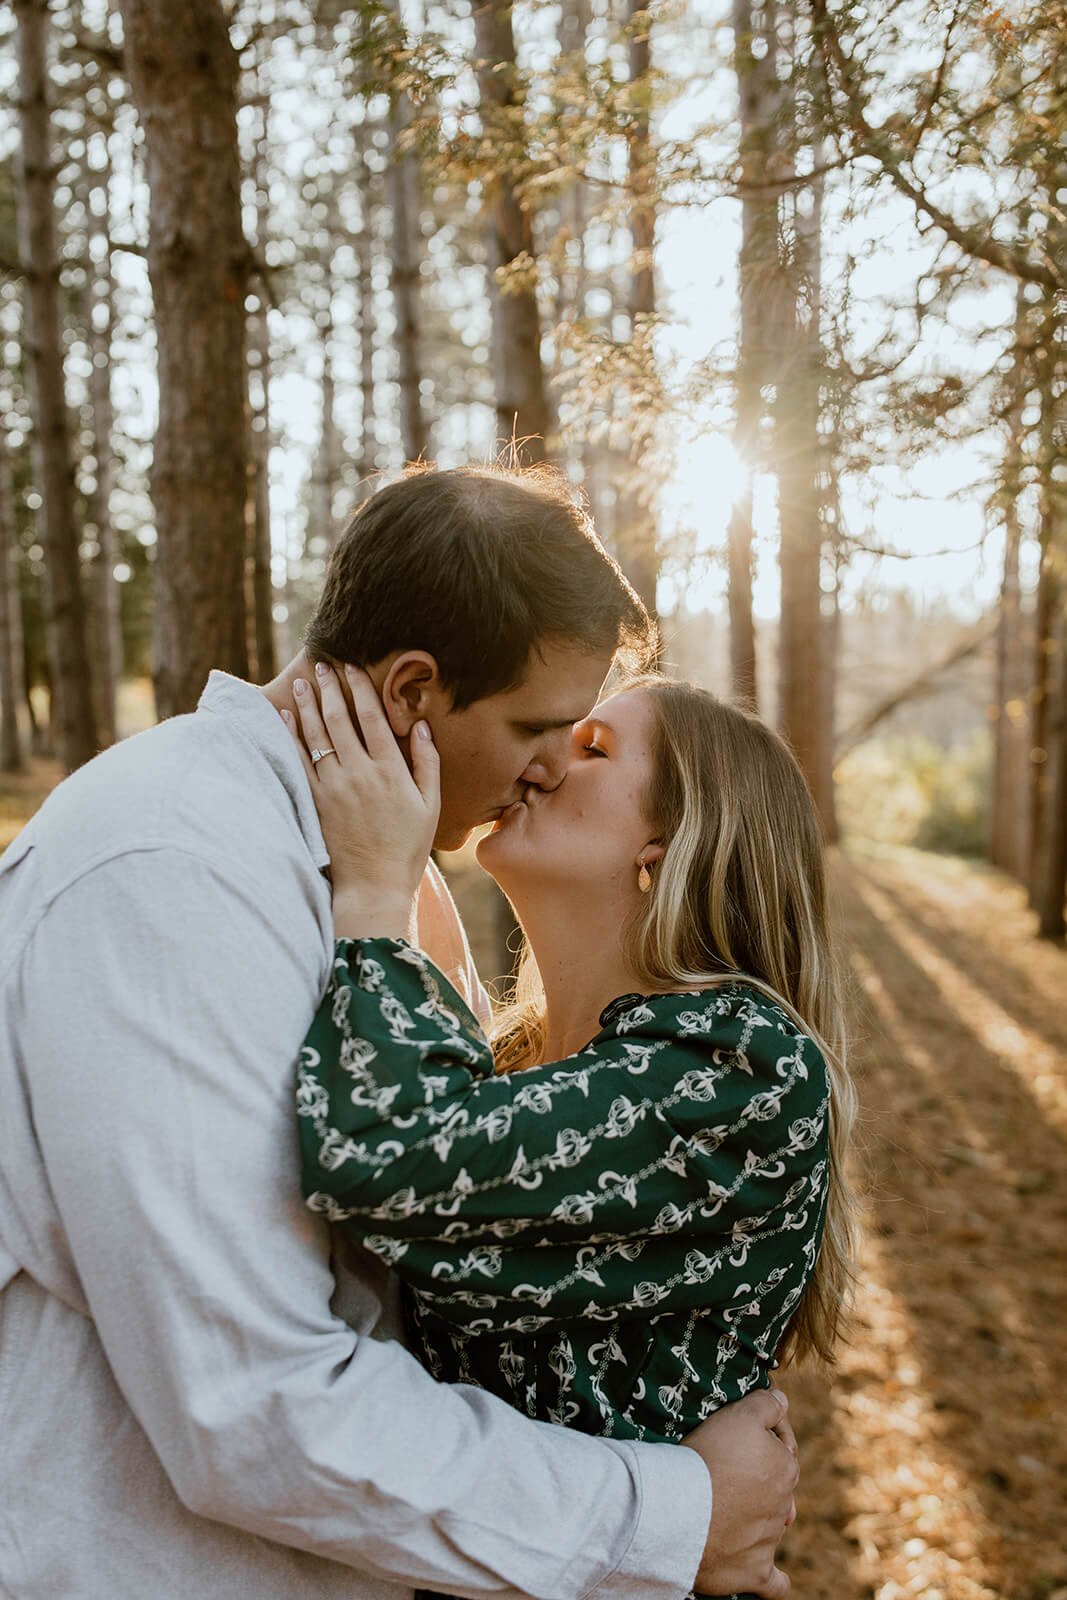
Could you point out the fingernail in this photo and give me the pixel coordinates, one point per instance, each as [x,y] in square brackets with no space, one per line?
[287,718]
[422,730]
[300,686]
[321,668]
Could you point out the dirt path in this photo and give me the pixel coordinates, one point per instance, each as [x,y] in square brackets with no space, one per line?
[935,1464]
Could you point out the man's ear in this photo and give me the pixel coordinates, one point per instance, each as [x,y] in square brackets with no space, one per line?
[411,691]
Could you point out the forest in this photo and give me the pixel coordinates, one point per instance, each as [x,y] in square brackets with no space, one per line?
[781,287]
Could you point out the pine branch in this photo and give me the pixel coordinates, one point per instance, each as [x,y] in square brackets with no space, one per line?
[840,71]
[919,684]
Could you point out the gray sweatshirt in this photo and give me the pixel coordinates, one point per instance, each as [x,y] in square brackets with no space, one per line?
[201,1394]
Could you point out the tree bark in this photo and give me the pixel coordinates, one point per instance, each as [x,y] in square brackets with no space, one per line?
[522,406]
[259,597]
[1048,811]
[106,606]
[71,667]
[326,466]
[364,248]
[802,470]
[183,74]
[755,63]
[1009,813]
[1048,882]
[636,537]
[830,638]
[12,686]
[1050,878]
[404,202]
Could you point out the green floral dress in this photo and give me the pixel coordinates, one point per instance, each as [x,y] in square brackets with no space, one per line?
[614,1242]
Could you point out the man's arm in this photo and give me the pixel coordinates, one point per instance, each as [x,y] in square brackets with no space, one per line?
[164,1004]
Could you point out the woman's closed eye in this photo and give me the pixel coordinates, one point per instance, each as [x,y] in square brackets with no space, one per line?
[592,748]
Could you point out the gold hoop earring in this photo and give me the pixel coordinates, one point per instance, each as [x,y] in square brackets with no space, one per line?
[644,878]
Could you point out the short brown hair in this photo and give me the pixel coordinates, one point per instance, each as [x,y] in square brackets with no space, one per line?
[478,566]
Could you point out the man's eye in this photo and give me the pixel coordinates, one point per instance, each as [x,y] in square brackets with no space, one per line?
[535,733]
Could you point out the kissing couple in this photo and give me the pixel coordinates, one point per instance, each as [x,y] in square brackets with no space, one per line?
[319,1276]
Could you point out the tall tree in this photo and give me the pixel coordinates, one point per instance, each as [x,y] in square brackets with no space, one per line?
[12,754]
[636,534]
[106,608]
[1048,883]
[755,63]
[71,668]
[260,587]
[405,274]
[802,468]
[522,401]
[368,426]
[183,74]
[1009,808]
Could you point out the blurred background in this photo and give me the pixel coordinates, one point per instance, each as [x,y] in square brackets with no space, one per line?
[781,286]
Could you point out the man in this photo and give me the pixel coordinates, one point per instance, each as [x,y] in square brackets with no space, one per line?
[195,1399]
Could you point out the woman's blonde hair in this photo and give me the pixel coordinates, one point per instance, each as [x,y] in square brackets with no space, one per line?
[739,892]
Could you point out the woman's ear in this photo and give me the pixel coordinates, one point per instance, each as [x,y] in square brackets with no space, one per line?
[651,853]
[411,691]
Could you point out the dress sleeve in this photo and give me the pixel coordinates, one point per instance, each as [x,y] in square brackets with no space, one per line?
[696,1110]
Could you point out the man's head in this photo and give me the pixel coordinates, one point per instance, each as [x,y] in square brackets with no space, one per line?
[483,601]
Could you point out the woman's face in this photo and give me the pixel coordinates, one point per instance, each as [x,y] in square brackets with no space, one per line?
[591,831]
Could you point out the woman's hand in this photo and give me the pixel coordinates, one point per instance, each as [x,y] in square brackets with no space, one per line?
[378,819]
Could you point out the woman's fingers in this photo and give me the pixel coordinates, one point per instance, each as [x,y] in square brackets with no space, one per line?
[341,731]
[373,723]
[312,726]
[426,766]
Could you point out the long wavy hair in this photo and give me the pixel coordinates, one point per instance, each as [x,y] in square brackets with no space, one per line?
[739,893]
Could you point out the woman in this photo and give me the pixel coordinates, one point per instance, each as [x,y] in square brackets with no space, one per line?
[622,1214]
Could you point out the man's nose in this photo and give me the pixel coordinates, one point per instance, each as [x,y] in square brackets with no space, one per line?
[548,768]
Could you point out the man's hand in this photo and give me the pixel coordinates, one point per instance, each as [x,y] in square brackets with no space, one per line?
[751,1453]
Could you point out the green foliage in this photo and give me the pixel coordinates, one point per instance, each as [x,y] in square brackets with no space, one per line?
[912,792]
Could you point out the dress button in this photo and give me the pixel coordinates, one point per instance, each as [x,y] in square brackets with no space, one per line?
[615,1010]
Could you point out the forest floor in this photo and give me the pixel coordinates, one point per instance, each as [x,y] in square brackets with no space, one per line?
[934,1461]
[935,1458]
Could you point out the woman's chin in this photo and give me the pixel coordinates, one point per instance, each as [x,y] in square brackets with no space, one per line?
[500,854]
[491,847]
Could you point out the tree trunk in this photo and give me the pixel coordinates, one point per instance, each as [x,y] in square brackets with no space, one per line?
[830,636]
[364,248]
[1050,877]
[803,484]
[755,63]
[636,536]
[404,202]
[183,75]
[106,607]
[259,594]
[522,405]
[12,688]
[326,466]
[1049,720]
[1009,816]
[71,666]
